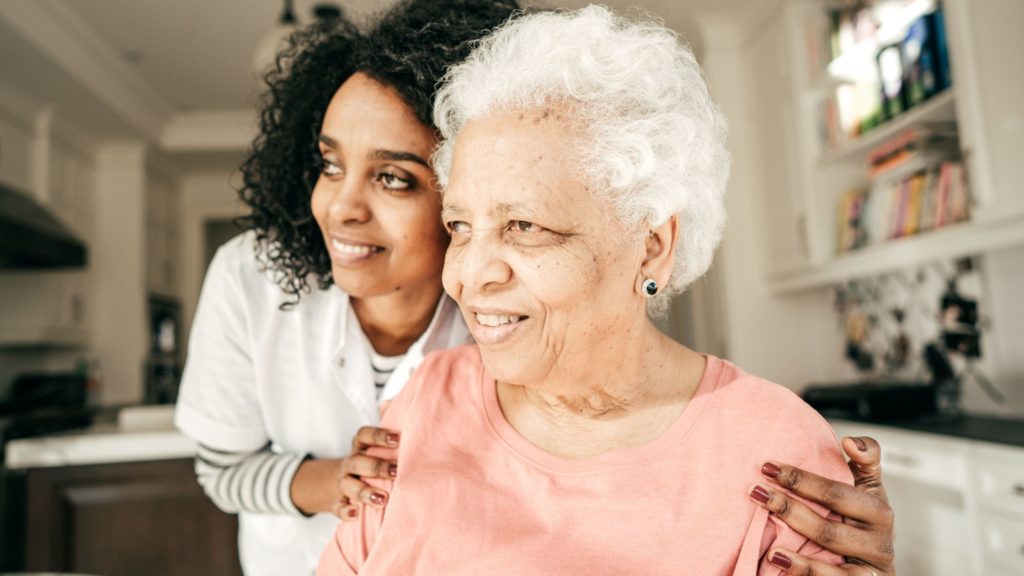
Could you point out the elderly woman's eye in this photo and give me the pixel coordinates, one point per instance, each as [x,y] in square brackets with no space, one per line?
[457,227]
[524,226]
[393,181]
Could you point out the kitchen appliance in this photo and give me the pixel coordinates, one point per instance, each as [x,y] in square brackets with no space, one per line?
[33,238]
[875,401]
[43,403]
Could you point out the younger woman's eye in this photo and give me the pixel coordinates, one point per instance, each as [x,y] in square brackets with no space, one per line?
[393,181]
[329,168]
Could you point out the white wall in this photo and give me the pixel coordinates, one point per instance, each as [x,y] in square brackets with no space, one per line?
[786,340]
[118,267]
[203,196]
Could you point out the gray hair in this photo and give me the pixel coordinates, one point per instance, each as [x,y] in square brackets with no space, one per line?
[654,142]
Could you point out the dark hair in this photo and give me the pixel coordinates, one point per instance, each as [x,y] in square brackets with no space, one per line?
[408,48]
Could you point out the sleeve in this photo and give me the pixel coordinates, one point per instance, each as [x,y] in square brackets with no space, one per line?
[218,404]
[258,482]
[825,458]
[348,549]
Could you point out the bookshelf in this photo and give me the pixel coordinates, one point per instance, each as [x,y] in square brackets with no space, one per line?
[979,103]
[941,108]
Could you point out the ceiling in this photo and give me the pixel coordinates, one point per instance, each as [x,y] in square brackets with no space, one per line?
[197,53]
[175,63]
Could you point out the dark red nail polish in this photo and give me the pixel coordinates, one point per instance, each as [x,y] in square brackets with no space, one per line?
[391,438]
[393,471]
[860,445]
[377,498]
[770,470]
[760,494]
[352,512]
[781,561]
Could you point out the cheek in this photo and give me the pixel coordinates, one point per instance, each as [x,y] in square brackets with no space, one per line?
[449,275]
[319,201]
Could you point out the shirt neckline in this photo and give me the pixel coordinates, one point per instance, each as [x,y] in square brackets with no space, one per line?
[655,449]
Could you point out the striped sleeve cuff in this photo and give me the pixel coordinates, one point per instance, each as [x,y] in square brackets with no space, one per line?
[258,482]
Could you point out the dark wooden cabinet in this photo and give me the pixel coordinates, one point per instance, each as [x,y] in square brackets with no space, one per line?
[126,519]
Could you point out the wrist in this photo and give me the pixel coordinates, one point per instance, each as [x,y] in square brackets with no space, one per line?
[314,487]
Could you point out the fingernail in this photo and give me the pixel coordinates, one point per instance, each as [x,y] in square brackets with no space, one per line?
[377,499]
[781,561]
[352,512]
[393,471]
[860,445]
[760,494]
[391,438]
[770,470]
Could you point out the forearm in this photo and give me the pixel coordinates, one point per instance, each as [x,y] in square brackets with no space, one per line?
[258,482]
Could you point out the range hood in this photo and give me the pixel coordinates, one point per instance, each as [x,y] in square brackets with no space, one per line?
[31,238]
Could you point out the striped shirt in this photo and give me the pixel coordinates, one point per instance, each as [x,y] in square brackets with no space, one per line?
[261,481]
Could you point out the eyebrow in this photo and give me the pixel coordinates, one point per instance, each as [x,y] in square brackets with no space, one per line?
[449,211]
[391,155]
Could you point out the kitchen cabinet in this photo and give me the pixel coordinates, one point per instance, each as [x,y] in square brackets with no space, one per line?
[15,152]
[126,519]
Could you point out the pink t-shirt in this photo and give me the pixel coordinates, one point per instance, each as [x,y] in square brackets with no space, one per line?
[472,496]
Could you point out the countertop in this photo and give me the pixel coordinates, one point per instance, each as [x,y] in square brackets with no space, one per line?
[139,433]
[1008,431]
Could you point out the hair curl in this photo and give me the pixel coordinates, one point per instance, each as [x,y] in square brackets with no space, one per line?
[655,142]
[407,48]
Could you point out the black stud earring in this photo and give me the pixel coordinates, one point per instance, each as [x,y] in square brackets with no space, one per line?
[650,287]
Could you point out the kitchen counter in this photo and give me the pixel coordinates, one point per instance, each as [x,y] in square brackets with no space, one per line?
[140,433]
[1008,431]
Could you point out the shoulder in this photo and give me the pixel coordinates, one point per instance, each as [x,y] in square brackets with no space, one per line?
[785,427]
[444,380]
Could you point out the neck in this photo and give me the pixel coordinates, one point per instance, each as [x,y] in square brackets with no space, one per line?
[393,322]
[616,405]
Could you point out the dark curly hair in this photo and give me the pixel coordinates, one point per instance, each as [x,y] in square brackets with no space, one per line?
[408,48]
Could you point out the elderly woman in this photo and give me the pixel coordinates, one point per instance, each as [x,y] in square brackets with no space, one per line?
[585,168]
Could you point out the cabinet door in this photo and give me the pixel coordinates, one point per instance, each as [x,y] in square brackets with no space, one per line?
[126,519]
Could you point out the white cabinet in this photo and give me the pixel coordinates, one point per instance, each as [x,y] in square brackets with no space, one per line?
[997,482]
[986,102]
[15,150]
[959,504]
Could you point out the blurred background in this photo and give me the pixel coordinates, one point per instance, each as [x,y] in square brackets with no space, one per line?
[873,261]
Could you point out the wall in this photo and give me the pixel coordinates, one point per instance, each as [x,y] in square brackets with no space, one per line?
[203,196]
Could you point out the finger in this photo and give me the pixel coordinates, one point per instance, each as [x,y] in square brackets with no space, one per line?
[866,464]
[372,436]
[794,564]
[833,535]
[369,467]
[348,512]
[838,497]
[358,491]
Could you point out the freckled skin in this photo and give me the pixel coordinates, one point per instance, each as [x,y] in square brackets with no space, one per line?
[574,277]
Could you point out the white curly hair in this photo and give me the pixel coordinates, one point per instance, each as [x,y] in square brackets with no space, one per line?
[654,141]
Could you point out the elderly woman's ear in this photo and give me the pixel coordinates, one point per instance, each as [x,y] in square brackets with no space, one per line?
[659,255]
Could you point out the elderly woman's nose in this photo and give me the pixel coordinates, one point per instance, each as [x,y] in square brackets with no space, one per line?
[348,202]
[482,266]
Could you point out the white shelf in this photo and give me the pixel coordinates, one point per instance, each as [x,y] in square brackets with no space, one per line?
[954,241]
[43,337]
[940,108]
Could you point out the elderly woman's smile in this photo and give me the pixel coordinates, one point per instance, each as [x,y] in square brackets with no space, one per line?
[536,260]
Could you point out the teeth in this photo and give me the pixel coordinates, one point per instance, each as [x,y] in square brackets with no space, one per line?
[496,320]
[351,249]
